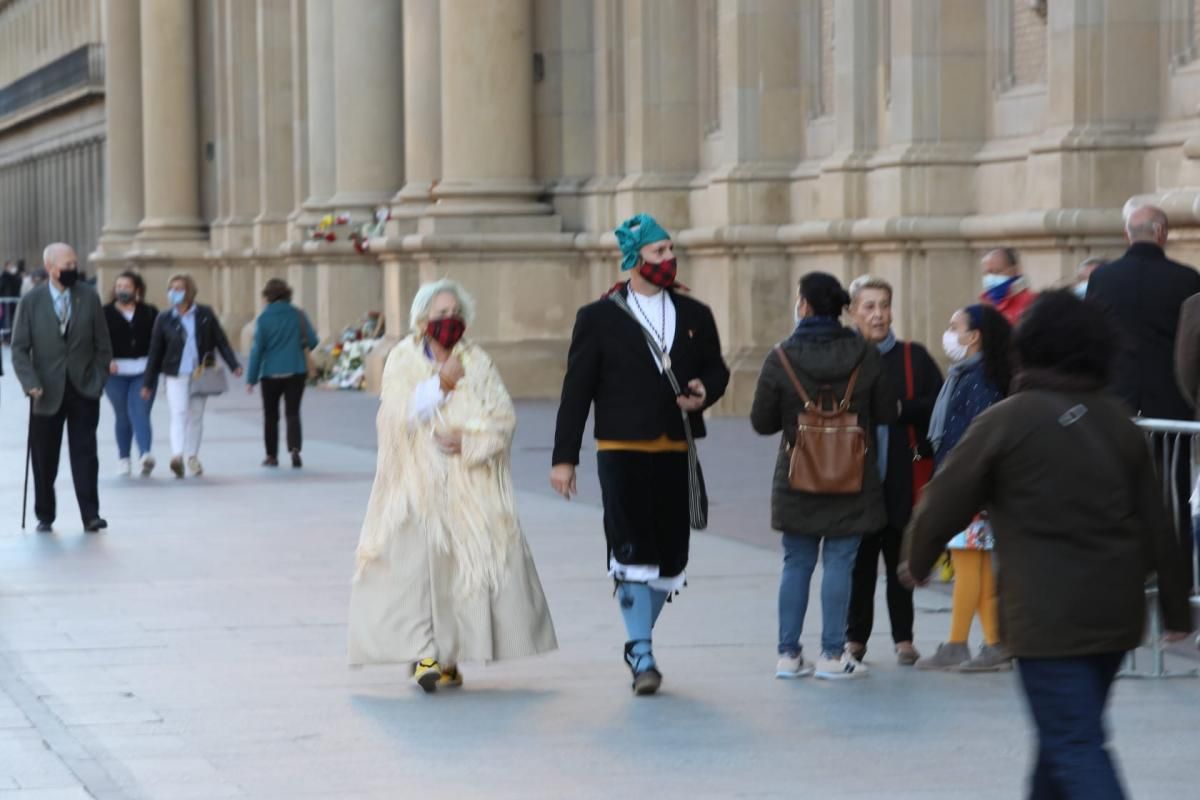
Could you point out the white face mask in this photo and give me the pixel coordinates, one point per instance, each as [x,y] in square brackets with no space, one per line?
[796,314]
[991,281]
[955,349]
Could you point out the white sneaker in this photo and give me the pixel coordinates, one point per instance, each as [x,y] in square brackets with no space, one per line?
[839,668]
[194,466]
[795,666]
[148,463]
[124,468]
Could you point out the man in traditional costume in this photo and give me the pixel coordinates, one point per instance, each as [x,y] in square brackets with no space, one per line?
[642,452]
[444,573]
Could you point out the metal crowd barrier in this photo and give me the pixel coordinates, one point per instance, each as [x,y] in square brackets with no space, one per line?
[1173,445]
[8,311]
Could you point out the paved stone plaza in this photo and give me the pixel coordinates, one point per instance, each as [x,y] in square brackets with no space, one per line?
[196,650]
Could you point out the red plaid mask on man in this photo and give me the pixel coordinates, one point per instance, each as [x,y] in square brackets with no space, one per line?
[662,274]
[446,332]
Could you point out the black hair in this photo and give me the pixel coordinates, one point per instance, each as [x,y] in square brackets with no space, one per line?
[139,285]
[824,293]
[995,344]
[1062,333]
[276,290]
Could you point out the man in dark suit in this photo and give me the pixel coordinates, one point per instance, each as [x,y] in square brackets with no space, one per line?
[61,354]
[1143,292]
[642,452]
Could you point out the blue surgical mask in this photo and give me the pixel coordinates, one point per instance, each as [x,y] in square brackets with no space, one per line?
[1081,290]
[176,297]
[992,282]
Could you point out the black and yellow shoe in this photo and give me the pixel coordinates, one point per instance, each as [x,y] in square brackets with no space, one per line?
[451,678]
[427,674]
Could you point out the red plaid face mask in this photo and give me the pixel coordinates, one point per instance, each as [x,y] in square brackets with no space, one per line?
[446,332]
[661,275]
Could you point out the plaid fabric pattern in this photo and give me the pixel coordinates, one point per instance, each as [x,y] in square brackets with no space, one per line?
[661,275]
[653,273]
[446,332]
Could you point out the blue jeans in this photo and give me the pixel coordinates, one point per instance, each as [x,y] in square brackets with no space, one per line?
[799,560]
[1067,697]
[132,412]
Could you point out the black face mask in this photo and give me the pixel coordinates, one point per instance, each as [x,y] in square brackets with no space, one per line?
[68,278]
[125,297]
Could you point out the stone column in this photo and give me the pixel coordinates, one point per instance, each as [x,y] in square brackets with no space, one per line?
[322,162]
[759,108]
[238,94]
[368,68]
[123,111]
[662,128]
[422,106]
[299,50]
[275,130]
[1103,97]
[169,124]
[856,112]
[487,110]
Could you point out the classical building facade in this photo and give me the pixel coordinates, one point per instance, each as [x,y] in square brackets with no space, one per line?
[508,137]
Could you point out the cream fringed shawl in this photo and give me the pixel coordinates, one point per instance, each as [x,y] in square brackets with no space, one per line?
[462,503]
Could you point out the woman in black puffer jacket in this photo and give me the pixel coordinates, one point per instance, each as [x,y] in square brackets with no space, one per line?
[822,353]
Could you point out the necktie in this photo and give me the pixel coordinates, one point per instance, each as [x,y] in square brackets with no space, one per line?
[60,307]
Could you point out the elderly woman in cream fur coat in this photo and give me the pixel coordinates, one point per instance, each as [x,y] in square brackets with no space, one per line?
[444,574]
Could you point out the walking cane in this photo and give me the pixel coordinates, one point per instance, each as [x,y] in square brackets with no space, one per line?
[28,458]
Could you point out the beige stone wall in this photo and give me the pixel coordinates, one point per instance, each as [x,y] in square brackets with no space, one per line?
[35,32]
[1029,44]
[828,96]
[51,127]
[772,136]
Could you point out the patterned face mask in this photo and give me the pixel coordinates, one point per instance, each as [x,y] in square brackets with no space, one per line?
[662,274]
[446,332]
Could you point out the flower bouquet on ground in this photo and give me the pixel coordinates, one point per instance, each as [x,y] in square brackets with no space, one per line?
[347,357]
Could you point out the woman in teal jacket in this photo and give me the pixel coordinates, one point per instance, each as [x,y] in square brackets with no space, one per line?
[281,335]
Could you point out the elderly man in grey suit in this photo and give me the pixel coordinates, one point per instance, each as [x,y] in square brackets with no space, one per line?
[61,354]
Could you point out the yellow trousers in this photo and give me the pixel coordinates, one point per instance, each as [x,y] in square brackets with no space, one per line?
[974,590]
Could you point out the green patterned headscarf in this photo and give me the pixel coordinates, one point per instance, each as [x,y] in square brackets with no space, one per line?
[634,234]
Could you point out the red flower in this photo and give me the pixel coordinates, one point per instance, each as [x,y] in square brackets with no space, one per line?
[331,236]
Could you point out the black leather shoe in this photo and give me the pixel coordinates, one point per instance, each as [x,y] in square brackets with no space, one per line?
[96,525]
[45,527]
[297,463]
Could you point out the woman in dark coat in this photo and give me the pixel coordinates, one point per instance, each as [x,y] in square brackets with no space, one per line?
[186,340]
[1079,524]
[904,453]
[822,353]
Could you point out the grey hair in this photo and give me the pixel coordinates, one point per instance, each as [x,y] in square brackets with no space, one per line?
[1089,261]
[428,291]
[1145,223]
[864,282]
[53,250]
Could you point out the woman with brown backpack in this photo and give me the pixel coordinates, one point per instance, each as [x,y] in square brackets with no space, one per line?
[825,389]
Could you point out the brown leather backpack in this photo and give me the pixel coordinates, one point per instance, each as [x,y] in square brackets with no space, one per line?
[829,455]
